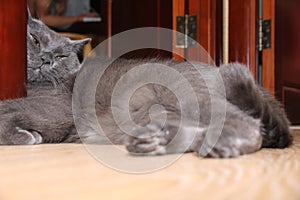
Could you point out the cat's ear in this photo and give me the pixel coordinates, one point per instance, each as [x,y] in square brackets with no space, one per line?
[78,45]
[29,17]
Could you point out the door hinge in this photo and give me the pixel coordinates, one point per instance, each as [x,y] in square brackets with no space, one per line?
[264,34]
[187,31]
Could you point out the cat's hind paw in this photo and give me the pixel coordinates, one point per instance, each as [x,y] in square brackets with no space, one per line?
[149,140]
[28,137]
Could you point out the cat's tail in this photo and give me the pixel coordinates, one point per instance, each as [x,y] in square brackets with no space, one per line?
[243,92]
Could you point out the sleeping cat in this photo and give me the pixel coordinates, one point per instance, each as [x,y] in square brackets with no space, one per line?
[52,62]
[253,118]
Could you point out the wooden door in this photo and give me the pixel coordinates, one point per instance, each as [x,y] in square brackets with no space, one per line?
[288,56]
[12,49]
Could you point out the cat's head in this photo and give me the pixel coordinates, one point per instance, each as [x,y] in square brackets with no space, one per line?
[50,56]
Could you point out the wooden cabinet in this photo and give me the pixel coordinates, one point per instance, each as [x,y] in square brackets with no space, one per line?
[288,56]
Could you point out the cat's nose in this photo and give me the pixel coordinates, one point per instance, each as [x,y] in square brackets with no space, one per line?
[46,61]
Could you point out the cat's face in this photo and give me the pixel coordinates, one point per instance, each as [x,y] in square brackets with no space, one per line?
[50,56]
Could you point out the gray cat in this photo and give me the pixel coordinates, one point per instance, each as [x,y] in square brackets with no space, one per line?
[253,118]
[52,62]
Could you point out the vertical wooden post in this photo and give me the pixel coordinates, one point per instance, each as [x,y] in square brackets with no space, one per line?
[13,60]
[178,10]
[242,32]
[225,31]
[268,59]
[109,28]
[205,12]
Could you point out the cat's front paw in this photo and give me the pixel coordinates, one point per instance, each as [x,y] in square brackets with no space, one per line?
[14,130]
[237,138]
[26,137]
[220,151]
[149,140]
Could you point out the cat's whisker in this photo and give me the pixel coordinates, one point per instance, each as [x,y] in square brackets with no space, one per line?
[59,85]
[54,79]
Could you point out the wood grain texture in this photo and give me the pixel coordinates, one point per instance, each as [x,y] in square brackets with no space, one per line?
[67,171]
[242,33]
[12,49]
[205,12]
[268,59]
[287,59]
[178,10]
[109,27]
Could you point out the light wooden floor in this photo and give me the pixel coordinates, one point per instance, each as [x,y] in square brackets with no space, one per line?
[69,172]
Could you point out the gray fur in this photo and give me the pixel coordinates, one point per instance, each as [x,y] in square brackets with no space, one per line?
[253,118]
[249,114]
[50,57]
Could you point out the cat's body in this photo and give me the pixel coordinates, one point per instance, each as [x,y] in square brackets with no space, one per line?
[253,119]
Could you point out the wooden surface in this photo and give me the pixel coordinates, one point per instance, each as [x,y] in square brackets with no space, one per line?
[12,49]
[268,59]
[131,14]
[67,171]
[205,12]
[287,59]
[242,32]
[178,7]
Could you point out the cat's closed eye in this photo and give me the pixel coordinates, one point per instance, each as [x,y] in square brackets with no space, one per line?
[61,57]
[35,40]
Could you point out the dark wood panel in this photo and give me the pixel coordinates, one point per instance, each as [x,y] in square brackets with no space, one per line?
[242,32]
[12,49]
[291,99]
[218,31]
[178,10]
[165,20]
[130,14]
[205,11]
[287,57]
[208,35]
